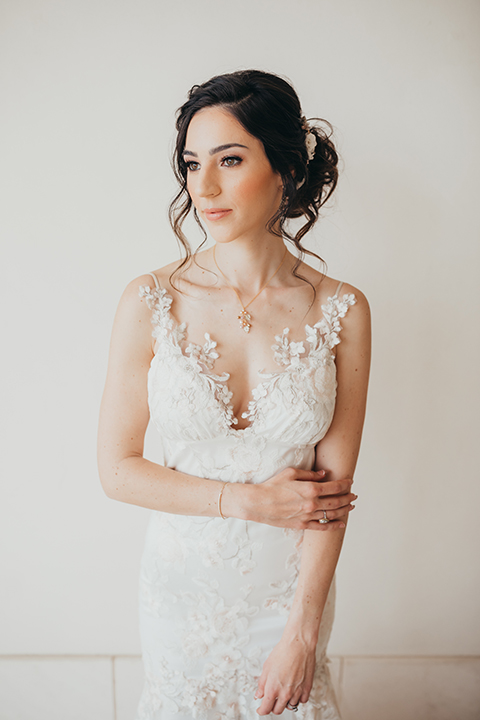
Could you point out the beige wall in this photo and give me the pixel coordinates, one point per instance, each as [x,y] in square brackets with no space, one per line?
[89,91]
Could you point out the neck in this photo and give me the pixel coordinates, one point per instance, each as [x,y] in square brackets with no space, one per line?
[248,268]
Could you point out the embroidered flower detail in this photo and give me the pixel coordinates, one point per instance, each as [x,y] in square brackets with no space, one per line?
[194,646]
[212,545]
[333,311]
[205,355]
[244,558]
[159,301]
[171,550]
[285,352]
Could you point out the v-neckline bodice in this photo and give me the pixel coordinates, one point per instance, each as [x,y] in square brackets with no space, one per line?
[321,337]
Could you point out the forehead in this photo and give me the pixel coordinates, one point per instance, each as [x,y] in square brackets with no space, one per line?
[215,126]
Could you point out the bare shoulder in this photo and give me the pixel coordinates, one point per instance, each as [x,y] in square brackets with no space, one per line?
[133,300]
[355,335]
[132,294]
[327,287]
[133,319]
[189,281]
[360,306]
[165,273]
[356,320]
[134,311]
[358,315]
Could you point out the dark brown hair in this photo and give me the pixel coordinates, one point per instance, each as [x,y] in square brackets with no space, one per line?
[268,107]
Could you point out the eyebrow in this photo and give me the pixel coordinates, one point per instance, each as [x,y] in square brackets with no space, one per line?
[215,150]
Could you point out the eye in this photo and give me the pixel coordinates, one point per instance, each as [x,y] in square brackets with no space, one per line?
[189,164]
[231,160]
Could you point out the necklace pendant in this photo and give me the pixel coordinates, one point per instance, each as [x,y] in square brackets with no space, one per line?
[245,317]
[245,323]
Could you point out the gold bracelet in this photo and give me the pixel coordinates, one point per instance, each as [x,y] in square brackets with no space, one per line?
[220,501]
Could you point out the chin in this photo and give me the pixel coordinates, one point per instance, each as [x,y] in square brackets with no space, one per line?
[222,238]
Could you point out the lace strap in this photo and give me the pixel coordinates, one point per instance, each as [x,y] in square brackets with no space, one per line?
[157,285]
[159,302]
[335,309]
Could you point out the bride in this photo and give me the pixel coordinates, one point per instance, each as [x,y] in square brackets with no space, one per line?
[256,376]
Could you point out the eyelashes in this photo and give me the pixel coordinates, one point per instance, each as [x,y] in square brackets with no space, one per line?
[226,161]
[189,164]
[237,160]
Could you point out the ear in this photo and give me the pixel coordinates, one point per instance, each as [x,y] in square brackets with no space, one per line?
[293,174]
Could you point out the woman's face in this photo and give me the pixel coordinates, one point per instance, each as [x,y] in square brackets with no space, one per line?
[229,178]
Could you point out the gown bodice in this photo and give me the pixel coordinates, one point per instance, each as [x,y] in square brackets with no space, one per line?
[289,412]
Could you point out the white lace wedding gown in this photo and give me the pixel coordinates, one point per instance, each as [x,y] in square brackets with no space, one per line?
[215,594]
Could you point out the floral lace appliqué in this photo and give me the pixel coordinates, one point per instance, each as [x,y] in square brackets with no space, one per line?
[287,353]
[329,326]
[159,302]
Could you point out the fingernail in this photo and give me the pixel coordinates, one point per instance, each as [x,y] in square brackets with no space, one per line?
[352,506]
[356,497]
[342,525]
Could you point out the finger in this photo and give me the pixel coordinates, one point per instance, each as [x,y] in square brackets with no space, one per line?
[305,696]
[326,527]
[261,687]
[334,487]
[332,514]
[334,502]
[308,475]
[294,700]
[279,706]
[267,705]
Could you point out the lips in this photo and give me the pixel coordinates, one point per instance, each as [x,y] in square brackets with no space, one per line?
[216,213]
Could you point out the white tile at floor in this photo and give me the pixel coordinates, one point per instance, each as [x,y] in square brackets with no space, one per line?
[411,688]
[368,688]
[59,688]
[129,678]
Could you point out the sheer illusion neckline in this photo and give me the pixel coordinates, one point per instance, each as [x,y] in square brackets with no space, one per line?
[292,355]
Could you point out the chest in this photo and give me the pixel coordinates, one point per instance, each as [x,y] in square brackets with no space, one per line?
[191,393]
[191,403]
[241,355]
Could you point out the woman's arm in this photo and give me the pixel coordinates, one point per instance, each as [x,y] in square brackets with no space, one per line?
[288,672]
[124,473]
[294,498]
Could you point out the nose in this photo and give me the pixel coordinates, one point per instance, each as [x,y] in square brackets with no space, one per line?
[206,183]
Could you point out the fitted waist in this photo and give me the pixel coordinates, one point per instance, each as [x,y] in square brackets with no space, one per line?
[254,460]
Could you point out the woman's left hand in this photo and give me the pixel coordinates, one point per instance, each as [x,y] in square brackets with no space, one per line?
[287,676]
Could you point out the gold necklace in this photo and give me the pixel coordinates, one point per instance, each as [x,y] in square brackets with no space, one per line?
[245,317]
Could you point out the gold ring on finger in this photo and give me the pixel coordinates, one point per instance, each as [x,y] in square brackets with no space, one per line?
[324,519]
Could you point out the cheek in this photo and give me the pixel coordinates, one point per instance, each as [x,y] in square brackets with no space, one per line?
[257,189]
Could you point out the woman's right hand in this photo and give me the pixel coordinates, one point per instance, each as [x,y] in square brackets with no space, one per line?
[297,499]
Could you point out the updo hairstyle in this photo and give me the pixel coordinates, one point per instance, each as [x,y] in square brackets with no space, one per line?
[268,108]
